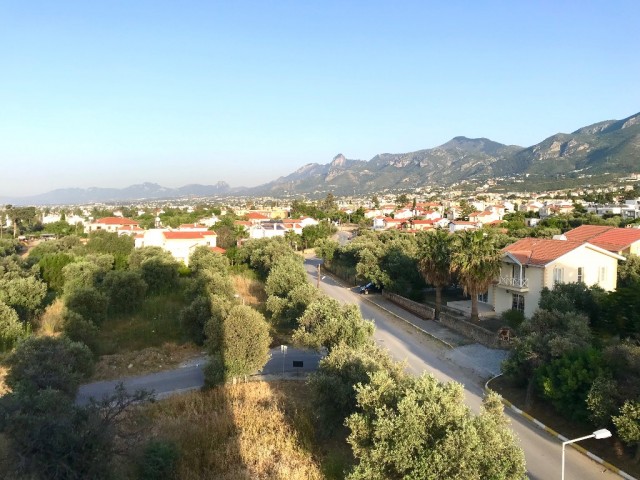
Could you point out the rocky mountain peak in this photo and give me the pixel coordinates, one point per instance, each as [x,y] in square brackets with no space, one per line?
[338,161]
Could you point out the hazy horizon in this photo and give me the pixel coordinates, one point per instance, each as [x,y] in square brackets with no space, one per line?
[108,95]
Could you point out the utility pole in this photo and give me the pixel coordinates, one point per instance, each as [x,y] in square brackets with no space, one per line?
[318,284]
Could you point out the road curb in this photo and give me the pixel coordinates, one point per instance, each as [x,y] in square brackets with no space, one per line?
[562,438]
[444,342]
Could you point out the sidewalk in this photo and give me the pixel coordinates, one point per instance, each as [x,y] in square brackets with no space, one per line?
[483,361]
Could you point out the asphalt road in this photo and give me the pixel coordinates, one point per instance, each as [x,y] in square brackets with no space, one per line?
[190,376]
[423,354]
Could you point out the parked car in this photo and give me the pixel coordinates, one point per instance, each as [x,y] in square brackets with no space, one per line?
[369,288]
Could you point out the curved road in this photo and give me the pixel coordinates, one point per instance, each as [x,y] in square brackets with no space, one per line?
[421,354]
[424,354]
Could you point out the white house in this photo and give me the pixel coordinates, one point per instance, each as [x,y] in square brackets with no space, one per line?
[403,214]
[304,221]
[179,244]
[531,264]
[267,230]
[110,224]
[209,221]
[378,223]
[460,225]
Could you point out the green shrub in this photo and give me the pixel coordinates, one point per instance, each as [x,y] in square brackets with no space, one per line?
[214,372]
[513,318]
[159,461]
[79,329]
[566,381]
[89,303]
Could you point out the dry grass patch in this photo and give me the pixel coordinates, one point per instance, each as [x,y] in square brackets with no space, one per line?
[3,373]
[235,432]
[250,290]
[51,321]
[148,360]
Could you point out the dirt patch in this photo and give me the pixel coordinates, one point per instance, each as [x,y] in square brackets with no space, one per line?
[251,291]
[148,360]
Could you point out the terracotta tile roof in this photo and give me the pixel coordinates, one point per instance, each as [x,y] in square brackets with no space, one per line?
[609,238]
[256,216]
[217,249]
[463,222]
[540,251]
[586,232]
[423,222]
[187,235]
[116,221]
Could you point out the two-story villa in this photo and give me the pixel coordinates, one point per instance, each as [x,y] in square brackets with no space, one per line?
[531,264]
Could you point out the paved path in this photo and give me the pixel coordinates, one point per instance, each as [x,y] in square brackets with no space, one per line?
[190,375]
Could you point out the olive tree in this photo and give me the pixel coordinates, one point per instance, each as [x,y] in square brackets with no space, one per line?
[57,363]
[239,346]
[328,323]
[421,428]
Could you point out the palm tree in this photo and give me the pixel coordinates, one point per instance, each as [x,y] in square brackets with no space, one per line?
[434,261]
[476,260]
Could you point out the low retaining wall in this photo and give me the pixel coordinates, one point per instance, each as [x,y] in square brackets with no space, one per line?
[475,332]
[416,308]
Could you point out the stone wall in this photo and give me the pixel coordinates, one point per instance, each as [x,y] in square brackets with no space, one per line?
[470,330]
[416,308]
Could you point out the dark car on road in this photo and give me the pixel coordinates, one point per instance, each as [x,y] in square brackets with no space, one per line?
[369,288]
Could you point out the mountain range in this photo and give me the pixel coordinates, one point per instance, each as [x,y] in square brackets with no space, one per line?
[608,147]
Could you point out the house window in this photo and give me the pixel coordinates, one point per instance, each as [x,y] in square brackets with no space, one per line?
[558,275]
[580,275]
[483,297]
[518,274]
[602,274]
[517,302]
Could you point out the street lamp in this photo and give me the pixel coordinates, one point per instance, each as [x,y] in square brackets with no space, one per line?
[283,349]
[598,435]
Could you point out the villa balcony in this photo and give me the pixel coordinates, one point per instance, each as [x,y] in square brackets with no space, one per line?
[514,283]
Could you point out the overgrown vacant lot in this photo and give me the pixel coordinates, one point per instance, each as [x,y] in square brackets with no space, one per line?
[157,322]
[253,430]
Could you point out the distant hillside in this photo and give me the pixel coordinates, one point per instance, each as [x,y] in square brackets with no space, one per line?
[456,160]
[611,146]
[608,147]
[144,191]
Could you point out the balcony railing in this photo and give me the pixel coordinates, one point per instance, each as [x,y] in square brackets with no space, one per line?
[514,282]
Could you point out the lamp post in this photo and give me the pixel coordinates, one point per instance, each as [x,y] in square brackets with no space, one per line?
[319,277]
[598,435]
[283,349]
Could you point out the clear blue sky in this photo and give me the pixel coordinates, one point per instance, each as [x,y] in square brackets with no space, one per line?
[112,93]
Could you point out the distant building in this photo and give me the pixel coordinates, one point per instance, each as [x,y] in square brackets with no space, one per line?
[110,224]
[180,244]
